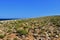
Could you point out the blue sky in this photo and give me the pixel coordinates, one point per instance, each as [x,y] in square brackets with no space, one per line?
[28,8]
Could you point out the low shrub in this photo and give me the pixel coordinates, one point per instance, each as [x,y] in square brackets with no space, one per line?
[22,32]
[2,36]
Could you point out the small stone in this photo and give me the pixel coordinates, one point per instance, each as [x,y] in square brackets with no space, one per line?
[56,35]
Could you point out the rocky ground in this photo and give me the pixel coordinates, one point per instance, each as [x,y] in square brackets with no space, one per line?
[43,28]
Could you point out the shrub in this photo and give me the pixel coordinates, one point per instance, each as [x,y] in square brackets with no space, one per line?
[22,32]
[9,31]
[2,36]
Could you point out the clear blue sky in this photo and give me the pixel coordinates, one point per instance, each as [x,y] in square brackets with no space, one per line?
[28,8]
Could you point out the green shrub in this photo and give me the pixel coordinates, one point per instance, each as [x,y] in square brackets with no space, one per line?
[9,31]
[22,32]
[2,36]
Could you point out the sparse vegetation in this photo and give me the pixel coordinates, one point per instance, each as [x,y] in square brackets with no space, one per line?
[33,28]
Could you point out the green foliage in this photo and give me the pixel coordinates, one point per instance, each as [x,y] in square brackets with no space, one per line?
[22,32]
[2,36]
[27,27]
[55,21]
[9,31]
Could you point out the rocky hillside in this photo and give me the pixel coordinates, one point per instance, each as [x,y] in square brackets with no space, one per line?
[43,28]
